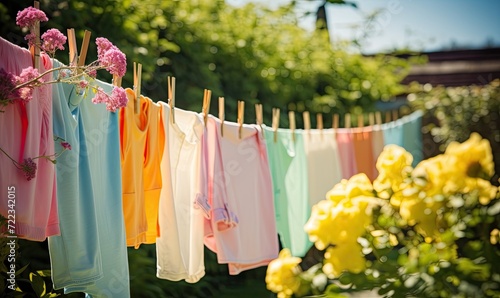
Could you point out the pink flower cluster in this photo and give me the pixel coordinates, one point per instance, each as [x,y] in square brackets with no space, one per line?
[28,166]
[7,85]
[53,40]
[115,101]
[29,16]
[28,74]
[110,57]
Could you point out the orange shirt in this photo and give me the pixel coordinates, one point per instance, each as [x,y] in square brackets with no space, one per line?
[363,151]
[141,141]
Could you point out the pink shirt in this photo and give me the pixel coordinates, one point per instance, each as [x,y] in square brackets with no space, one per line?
[241,228]
[346,151]
[27,133]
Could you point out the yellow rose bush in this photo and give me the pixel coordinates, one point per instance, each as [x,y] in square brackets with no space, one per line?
[428,231]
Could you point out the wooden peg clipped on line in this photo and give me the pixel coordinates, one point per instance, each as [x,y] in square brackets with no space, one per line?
[259,117]
[335,121]
[378,118]
[395,115]
[117,81]
[307,120]
[36,47]
[207,97]
[222,115]
[291,119]
[371,119]
[84,48]
[137,86]
[171,96]
[319,121]
[361,120]
[347,120]
[276,123]
[387,117]
[73,52]
[241,113]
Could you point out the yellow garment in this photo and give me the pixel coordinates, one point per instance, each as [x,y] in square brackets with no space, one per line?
[141,141]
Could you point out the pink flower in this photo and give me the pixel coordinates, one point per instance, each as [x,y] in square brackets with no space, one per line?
[103,45]
[30,38]
[92,73]
[66,145]
[28,74]
[53,39]
[28,16]
[28,166]
[83,84]
[100,96]
[115,62]
[7,85]
[117,100]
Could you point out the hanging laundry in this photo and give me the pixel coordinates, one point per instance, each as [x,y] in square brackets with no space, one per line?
[141,143]
[288,165]
[26,135]
[393,132]
[103,147]
[412,135]
[242,227]
[363,151]
[346,152]
[180,248]
[323,163]
[75,255]
[377,145]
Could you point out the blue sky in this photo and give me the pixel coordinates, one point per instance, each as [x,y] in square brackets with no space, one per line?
[425,25]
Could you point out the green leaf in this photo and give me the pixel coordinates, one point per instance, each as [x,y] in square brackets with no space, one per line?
[38,284]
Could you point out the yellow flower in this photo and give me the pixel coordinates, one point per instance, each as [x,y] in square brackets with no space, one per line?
[422,213]
[340,223]
[282,274]
[393,165]
[357,185]
[345,257]
[437,175]
[482,188]
[474,157]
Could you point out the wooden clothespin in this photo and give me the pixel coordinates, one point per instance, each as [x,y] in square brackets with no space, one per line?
[387,117]
[259,117]
[371,119]
[117,81]
[137,86]
[276,123]
[378,118]
[361,120]
[319,122]
[307,120]
[347,120]
[291,119]
[36,48]
[84,48]
[207,97]
[171,96]
[395,115]
[221,115]
[241,113]
[335,121]
[73,52]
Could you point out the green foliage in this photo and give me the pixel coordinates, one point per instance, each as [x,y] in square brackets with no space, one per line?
[250,53]
[454,112]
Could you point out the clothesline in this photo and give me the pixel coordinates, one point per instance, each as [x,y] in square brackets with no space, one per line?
[154,173]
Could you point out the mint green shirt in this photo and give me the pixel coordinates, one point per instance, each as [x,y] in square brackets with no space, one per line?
[288,165]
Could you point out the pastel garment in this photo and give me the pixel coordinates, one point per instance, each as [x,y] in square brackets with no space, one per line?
[103,147]
[242,227]
[180,248]
[26,135]
[75,255]
[346,152]
[363,151]
[393,132]
[323,163]
[412,136]
[141,143]
[288,165]
[377,146]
